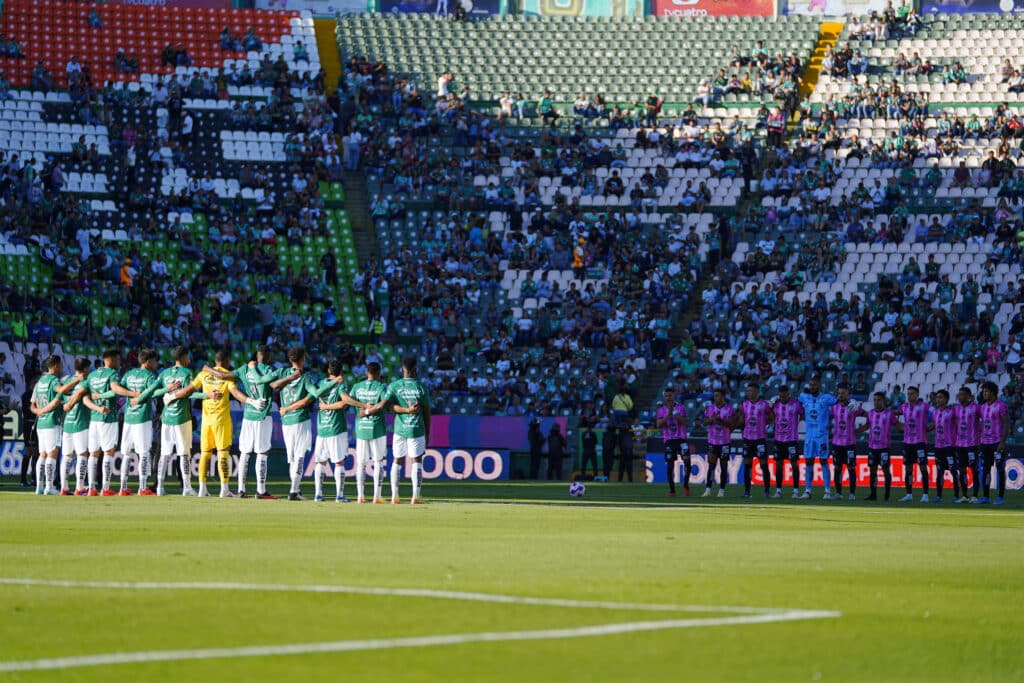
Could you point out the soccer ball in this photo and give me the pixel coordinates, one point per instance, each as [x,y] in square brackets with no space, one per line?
[577,489]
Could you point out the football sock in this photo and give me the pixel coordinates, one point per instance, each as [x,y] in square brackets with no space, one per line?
[41,471]
[723,473]
[204,467]
[826,475]
[939,476]
[808,474]
[125,467]
[396,477]
[378,478]
[161,469]
[49,471]
[360,477]
[224,468]
[82,471]
[686,472]
[185,465]
[65,462]
[339,480]
[794,465]
[748,475]
[839,478]
[924,474]
[243,470]
[261,473]
[417,479]
[296,472]
[108,470]
[1001,474]
[94,465]
[318,479]
[766,475]
[143,470]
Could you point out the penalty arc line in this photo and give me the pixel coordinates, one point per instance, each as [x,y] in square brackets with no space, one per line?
[496,598]
[145,657]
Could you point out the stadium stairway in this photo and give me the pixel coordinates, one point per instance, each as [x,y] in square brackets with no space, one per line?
[829,34]
[327,45]
[357,203]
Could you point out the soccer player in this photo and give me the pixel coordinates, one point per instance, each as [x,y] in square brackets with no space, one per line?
[914,416]
[175,422]
[671,419]
[879,429]
[787,425]
[47,397]
[371,440]
[76,428]
[257,425]
[332,431]
[816,413]
[103,418]
[944,424]
[137,432]
[215,429]
[410,401]
[297,394]
[968,428]
[844,414]
[995,426]
[718,417]
[753,417]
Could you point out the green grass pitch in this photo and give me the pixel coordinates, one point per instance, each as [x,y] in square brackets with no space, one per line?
[927,593]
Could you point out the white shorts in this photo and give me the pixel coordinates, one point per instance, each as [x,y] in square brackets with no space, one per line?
[255,436]
[102,436]
[333,448]
[137,438]
[176,439]
[408,446]
[49,439]
[375,449]
[75,443]
[298,439]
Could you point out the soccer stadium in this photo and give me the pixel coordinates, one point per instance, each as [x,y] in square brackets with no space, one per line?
[676,325]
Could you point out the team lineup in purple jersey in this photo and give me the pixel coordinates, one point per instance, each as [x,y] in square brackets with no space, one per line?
[969,441]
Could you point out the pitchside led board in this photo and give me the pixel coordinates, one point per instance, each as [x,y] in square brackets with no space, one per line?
[589,8]
[474,8]
[715,8]
[833,8]
[972,6]
[699,469]
[319,8]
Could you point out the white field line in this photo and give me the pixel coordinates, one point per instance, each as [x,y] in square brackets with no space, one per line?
[60,663]
[390,592]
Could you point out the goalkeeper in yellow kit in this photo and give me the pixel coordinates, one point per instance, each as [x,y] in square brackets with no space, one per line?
[215,431]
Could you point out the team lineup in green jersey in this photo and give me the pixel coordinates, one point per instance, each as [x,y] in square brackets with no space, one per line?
[78,416]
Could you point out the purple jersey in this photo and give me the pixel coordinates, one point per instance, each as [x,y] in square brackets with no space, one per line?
[992,422]
[968,424]
[755,419]
[944,420]
[879,429]
[844,419]
[675,424]
[787,420]
[915,422]
[719,434]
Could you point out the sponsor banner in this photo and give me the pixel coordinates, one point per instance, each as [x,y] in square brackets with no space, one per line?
[972,7]
[590,8]
[699,471]
[453,464]
[833,8]
[320,8]
[474,8]
[215,4]
[715,8]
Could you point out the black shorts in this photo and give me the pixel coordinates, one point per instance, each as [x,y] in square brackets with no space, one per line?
[675,449]
[945,458]
[966,454]
[878,457]
[785,450]
[914,453]
[842,454]
[716,450]
[755,448]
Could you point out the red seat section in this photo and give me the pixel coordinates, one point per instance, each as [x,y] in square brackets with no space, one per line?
[55,31]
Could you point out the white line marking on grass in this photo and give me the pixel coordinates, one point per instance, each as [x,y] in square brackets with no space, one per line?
[391,592]
[59,663]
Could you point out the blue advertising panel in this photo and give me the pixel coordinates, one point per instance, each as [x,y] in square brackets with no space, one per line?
[473,8]
[972,6]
